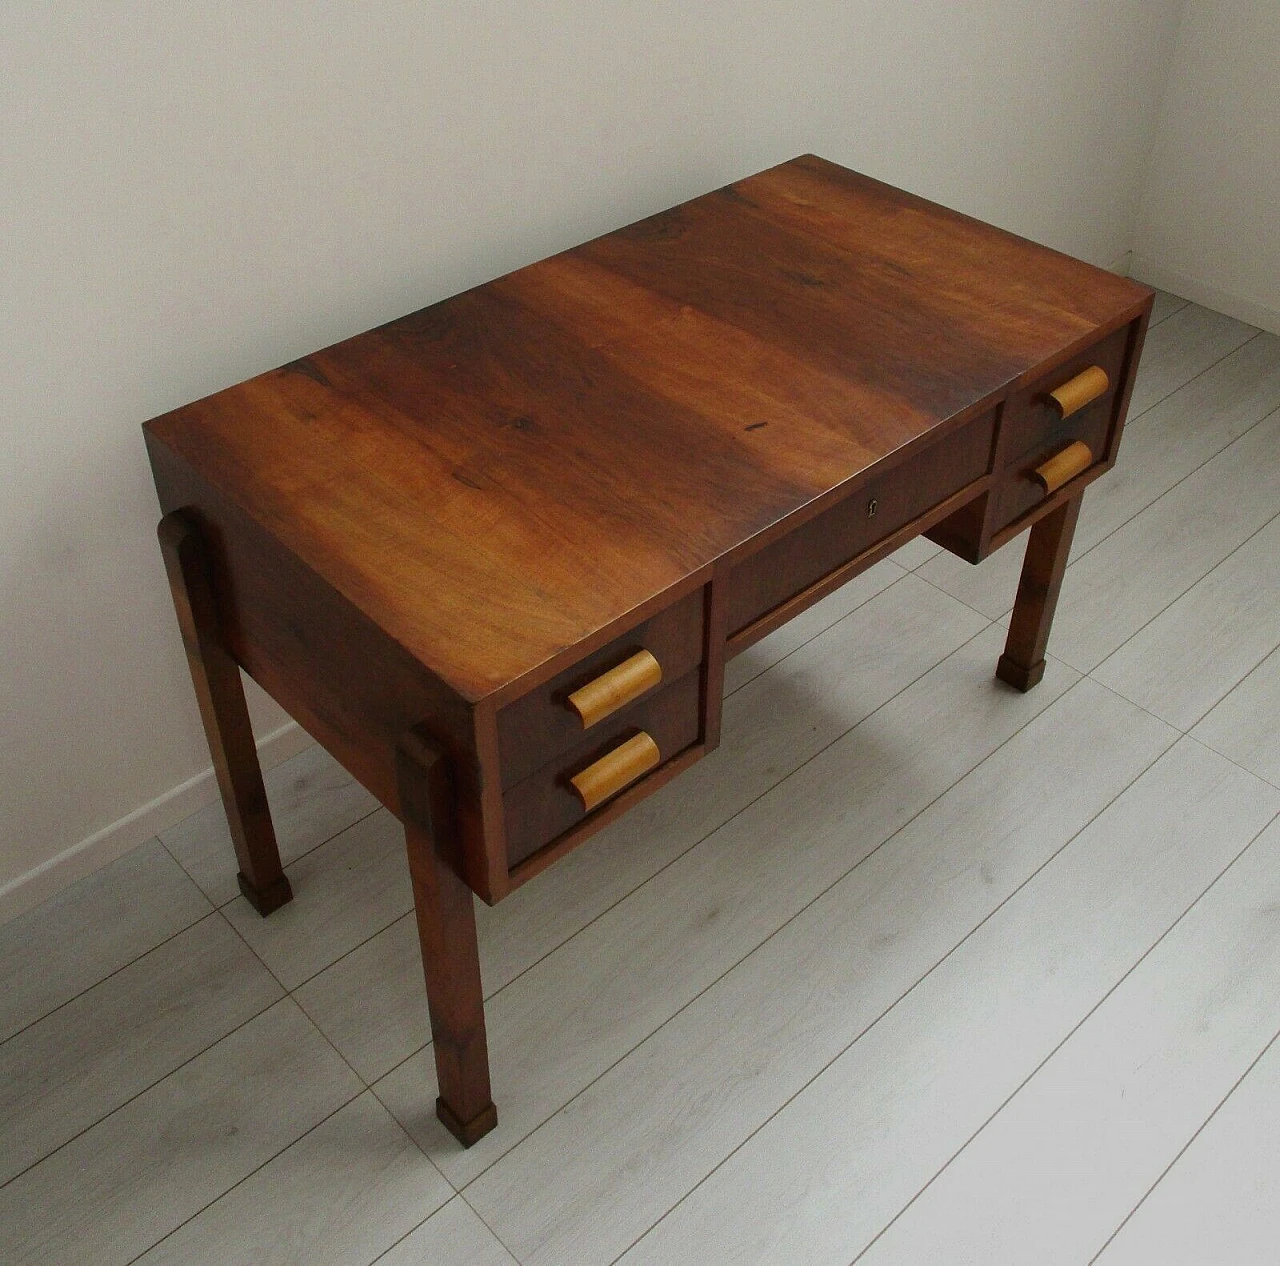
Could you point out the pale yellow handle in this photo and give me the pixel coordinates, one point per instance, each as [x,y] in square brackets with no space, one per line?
[616,688]
[615,770]
[1074,460]
[1079,391]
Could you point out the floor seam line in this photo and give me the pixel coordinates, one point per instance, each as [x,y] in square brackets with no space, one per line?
[1069,1035]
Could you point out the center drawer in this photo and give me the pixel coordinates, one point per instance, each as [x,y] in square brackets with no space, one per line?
[880,507]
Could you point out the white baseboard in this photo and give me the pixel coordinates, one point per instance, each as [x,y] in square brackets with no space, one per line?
[1205,293]
[50,877]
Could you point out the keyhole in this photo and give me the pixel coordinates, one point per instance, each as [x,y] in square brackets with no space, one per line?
[872,506]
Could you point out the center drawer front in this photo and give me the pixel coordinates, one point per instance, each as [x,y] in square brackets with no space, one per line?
[543,806]
[538,726]
[884,504]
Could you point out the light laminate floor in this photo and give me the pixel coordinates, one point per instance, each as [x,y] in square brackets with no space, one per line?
[914,969]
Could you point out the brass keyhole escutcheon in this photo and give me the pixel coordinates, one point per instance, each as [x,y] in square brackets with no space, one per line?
[872,506]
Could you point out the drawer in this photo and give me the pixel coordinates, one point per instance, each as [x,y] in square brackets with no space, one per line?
[885,503]
[537,727]
[545,805]
[1035,430]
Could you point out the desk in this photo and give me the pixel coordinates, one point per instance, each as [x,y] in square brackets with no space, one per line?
[494,555]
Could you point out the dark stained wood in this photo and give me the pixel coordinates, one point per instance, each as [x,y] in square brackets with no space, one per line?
[446,918]
[874,510]
[1022,664]
[477,464]
[421,539]
[220,695]
[542,806]
[539,726]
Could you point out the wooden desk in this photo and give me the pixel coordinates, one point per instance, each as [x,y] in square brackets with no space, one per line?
[493,555]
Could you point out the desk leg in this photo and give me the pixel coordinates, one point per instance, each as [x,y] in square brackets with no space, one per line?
[1022,664]
[220,695]
[447,932]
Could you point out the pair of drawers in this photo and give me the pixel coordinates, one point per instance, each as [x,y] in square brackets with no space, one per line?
[1057,429]
[600,727]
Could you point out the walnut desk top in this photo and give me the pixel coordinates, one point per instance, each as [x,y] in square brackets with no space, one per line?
[494,554]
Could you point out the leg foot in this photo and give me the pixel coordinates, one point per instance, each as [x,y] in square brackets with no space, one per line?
[264,900]
[467,1132]
[220,694]
[445,909]
[1022,664]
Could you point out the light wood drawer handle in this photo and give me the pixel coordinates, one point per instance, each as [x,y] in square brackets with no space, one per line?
[615,770]
[616,688]
[1079,391]
[1074,460]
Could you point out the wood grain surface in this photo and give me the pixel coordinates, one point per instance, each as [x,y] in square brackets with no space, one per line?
[534,460]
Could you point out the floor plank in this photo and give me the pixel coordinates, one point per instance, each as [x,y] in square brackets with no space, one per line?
[342,1195]
[312,798]
[344,892]
[1181,347]
[120,1187]
[1199,647]
[452,1237]
[806,626]
[1221,1200]
[1165,305]
[95,927]
[71,1068]
[1245,726]
[1061,1166]
[953,1050]
[597,1175]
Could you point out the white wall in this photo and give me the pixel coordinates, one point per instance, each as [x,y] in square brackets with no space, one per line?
[1210,222]
[195,193]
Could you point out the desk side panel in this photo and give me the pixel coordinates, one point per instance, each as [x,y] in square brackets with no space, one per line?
[353,688]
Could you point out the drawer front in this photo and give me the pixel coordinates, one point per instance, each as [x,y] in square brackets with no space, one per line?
[1034,429]
[887,502]
[545,805]
[539,726]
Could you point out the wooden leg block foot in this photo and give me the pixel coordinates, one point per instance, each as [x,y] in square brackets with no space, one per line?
[1018,677]
[264,900]
[467,1132]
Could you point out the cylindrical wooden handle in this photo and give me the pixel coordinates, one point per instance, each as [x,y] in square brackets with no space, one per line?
[615,770]
[1079,391]
[616,688]
[1072,461]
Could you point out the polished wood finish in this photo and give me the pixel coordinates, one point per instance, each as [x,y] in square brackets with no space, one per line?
[1073,460]
[446,919]
[665,443]
[220,696]
[1087,386]
[616,769]
[620,686]
[1048,547]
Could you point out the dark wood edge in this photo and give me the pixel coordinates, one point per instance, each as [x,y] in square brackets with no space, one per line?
[537,862]
[1133,352]
[714,654]
[487,874]
[779,615]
